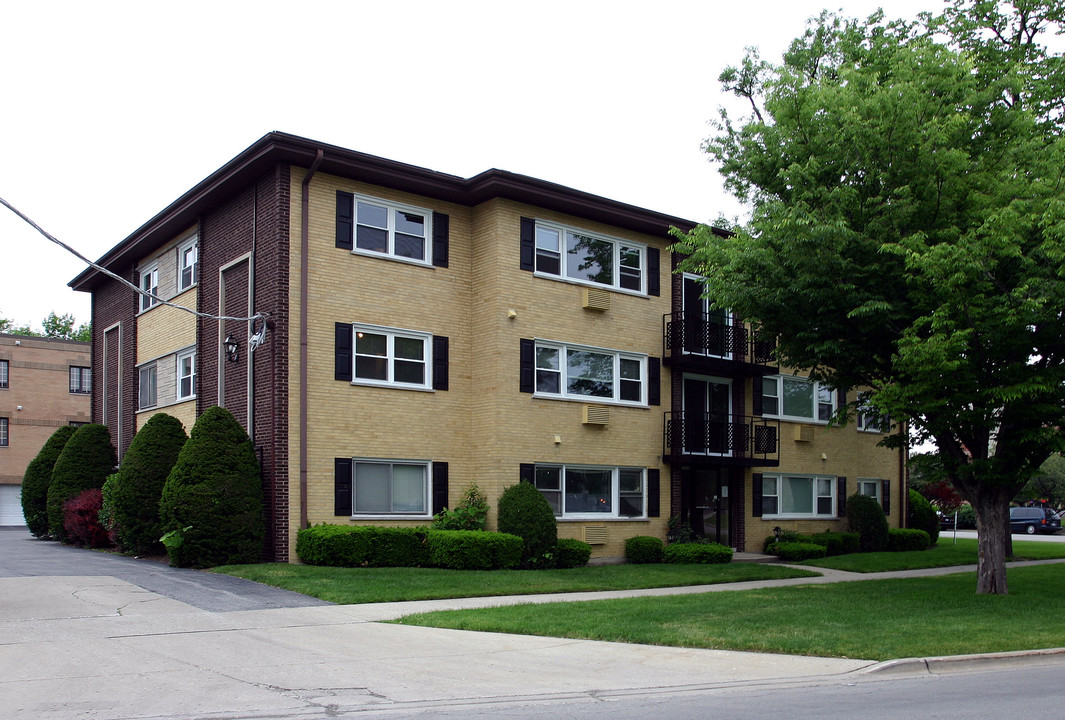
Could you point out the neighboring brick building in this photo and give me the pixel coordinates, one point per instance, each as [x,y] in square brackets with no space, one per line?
[427,331]
[44,383]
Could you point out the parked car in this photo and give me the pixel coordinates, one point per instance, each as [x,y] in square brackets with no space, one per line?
[1034,519]
[946,522]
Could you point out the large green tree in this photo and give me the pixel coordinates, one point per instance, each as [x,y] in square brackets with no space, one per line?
[908,232]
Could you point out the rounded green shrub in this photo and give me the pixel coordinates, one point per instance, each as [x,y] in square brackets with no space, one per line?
[797,551]
[85,462]
[570,553]
[643,549]
[922,516]
[905,539]
[134,492]
[966,517]
[697,553]
[866,518]
[524,511]
[212,502]
[38,477]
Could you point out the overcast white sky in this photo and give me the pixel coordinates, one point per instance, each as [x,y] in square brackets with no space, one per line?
[114,109]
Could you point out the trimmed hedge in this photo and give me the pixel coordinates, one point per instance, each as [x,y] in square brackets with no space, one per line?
[905,539]
[796,551]
[697,553]
[38,477]
[368,546]
[525,512]
[570,553]
[836,543]
[84,464]
[643,549]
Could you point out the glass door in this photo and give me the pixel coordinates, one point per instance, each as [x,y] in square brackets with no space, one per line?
[707,406]
[706,331]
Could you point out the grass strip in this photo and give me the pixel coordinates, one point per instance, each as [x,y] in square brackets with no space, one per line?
[945,554]
[873,619]
[369,585]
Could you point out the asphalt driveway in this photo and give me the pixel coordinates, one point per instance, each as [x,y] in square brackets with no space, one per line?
[22,555]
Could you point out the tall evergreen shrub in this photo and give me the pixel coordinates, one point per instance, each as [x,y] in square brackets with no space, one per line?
[922,516]
[135,491]
[85,462]
[524,511]
[38,477]
[866,518]
[212,502]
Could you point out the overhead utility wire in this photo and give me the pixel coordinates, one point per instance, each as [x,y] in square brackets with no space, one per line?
[105,271]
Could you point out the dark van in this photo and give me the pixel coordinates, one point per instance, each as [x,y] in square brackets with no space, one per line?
[1034,519]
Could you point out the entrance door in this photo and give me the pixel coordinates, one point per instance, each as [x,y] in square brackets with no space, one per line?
[710,504]
[705,330]
[707,406]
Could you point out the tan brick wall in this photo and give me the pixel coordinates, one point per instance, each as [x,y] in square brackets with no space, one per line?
[163,329]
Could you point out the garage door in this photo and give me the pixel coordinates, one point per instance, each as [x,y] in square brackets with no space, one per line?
[11,505]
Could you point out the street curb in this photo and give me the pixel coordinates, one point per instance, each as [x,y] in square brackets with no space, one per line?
[965,663]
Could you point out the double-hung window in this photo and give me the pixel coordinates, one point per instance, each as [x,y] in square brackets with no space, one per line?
[568,371]
[869,420]
[188,265]
[798,495]
[870,488]
[80,380]
[4,369]
[147,387]
[797,398]
[587,258]
[386,487]
[186,375]
[3,431]
[149,284]
[387,228]
[387,356]
[592,491]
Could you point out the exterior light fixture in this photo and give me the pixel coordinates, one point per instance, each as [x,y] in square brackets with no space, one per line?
[232,348]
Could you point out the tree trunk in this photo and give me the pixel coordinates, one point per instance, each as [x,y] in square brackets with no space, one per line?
[992,528]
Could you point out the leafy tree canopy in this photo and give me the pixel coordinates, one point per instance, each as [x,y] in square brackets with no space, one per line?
[908,231]
[54,326]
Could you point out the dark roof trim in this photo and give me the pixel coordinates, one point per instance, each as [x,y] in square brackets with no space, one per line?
[277,147]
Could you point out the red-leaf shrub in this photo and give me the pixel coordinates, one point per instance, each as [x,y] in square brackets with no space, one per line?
[81,520]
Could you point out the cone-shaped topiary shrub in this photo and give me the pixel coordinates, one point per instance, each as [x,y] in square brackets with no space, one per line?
[922,516]
[38,477]
[86,461]
[524,511]
[212,502]
[133,495]
[866,518]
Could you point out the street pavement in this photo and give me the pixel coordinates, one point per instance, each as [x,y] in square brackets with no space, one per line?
[95,635]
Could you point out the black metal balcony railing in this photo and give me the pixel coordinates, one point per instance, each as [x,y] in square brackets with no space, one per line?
[743,440]
[704,335]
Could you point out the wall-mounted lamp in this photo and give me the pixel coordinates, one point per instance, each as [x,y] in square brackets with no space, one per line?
[512,313]
[232,348]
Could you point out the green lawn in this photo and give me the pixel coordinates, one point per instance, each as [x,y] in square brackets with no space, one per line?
[369,585]
[945,554]
[874,619]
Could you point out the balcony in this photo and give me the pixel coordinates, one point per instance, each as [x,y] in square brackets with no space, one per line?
[697,341]
[714,439]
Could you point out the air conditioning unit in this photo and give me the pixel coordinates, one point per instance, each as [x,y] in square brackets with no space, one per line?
[804,433]
[595,299]
[595,534]
[595,415]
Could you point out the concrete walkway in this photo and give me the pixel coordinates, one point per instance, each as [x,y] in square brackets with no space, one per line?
[97,645]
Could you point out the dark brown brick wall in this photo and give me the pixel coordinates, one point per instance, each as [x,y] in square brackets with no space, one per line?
[114,303]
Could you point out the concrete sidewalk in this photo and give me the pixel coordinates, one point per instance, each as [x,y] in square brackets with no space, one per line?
[103,647]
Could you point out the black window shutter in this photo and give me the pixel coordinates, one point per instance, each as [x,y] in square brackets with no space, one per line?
[441,235]
[654,381]
[653,282]
[654,492]
[528,244]
[841,496]
[345,220]
[885,495]
[342,370]
[841,397]
[528,366]
[526,472]
[439,487]
[756,494]
[756,396]
[440,362]
[342,487]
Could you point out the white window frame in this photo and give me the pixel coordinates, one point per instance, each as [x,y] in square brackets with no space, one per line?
[149,283]
[5,373]
[83,384]
[560,253]
[563,350]
[815,496]
[180,376]
[871,421]
[392,207]
[876,483]
[151,373]
[818,404]
[5,428]
[427,478]
[184,249]
[391,334]
[556,495]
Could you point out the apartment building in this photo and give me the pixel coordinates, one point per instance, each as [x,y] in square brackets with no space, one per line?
[44,383]
[393,334]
